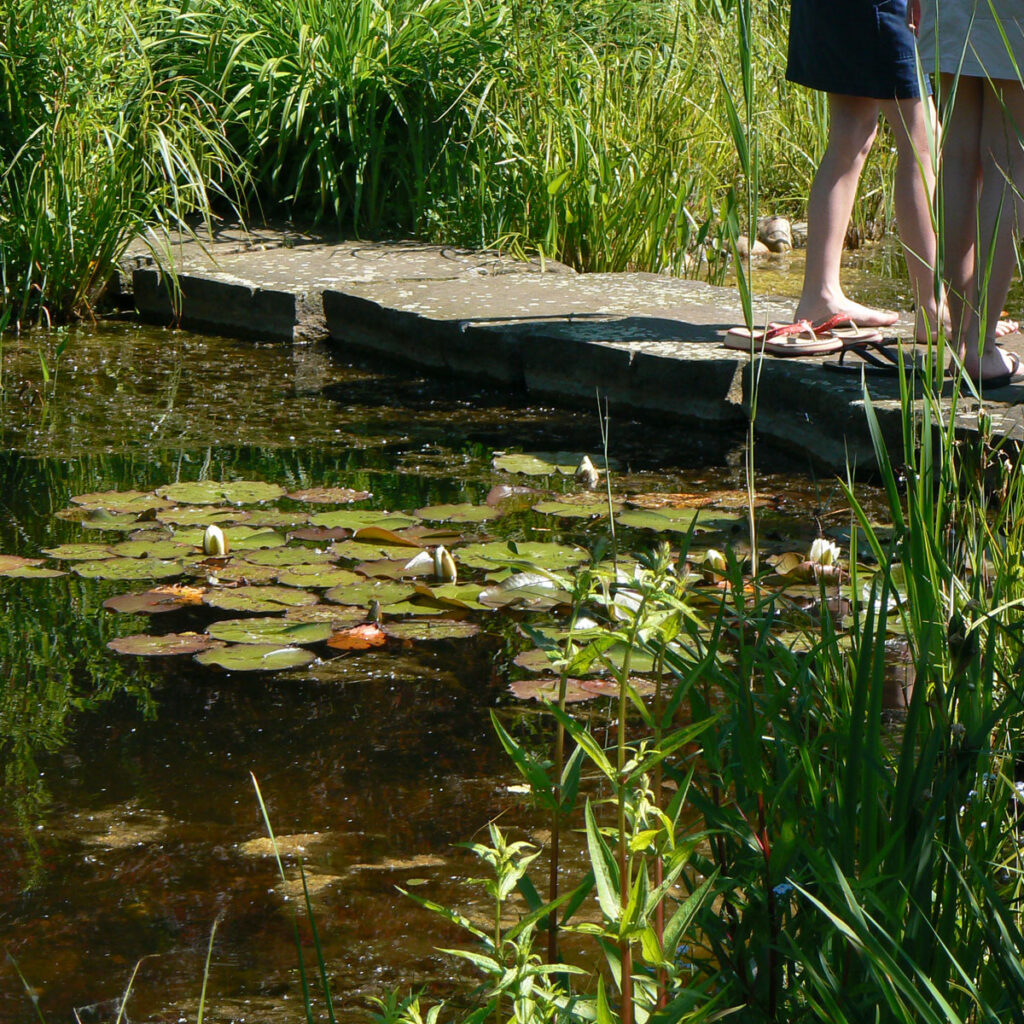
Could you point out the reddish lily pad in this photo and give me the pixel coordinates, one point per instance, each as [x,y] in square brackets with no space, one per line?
[734,499]
[358,638]
[159,599]
[271,630]
[320,533]
[329,495]
[259,600]
[162,646]
[546,688]
[256,657]
[8,562]
[211,492]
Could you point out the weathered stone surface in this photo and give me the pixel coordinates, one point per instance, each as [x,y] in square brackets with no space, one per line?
[648,343]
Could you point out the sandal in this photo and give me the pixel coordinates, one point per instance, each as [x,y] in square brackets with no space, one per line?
[796,339]
[878,359]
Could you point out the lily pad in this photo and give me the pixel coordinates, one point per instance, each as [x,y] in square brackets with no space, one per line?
[338,615]
[161,646]
[239,538]
[546,463]
[455,595]
[431,629]
[322,575]
[547,556]
[358,638]
[364,591]
[76,552]
[129,569]
[329,495]
[461,513]
[546,688]
[121,522]
[212,492]
[271,630]
[203,516]
[282,557]
[414,606]
[275,518]
[673,520]
[32,572]
[354,519]
[729,499]
[169,598]
[259,600]
[256,657]
[367,550]
[121,501]
[320,533]
[382,535]
[391,569]
[231,570]
[155,548]
[8,562]
[526,590]
[593,506]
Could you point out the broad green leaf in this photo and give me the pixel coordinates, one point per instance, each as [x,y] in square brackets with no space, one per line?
[258,600]
[271,630]
[256,657]
[129,569]
[164,645]
[463,513]
[210,492]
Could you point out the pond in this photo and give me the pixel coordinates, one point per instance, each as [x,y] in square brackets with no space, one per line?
[129,821]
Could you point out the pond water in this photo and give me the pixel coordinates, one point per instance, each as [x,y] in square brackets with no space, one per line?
[129,822]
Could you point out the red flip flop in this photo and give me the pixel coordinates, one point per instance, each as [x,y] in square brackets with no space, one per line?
[796,339]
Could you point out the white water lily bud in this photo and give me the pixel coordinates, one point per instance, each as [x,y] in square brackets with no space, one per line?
[214,541]
[824,552]
[586,474]
[444,565]
[713,565]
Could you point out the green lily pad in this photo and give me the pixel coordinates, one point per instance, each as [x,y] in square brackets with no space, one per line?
[414,607]
[271,630]
[76,552]
[337,615]
[32,572]
[456,595]
[162,646]
[546,463]
[329,495]
[211,492]
[129,569]
[318,576]
[365,591]
[203,516]
[274,518]
[526,590]
[282,557]
[121,522]
[381,535]
[462,513]
[390,569]
[231,570]
[355,519]
[256,657]
[121,501]
[239,538]
[552,557]
[674,520]
[369,551]
[154,548]
[432,629]
[259,600]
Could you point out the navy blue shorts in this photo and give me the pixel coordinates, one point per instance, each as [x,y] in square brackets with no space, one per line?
[853,47]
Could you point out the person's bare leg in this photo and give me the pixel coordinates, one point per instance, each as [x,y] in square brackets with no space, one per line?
[913,124]
[853,122]
[1000,216]
[959,182]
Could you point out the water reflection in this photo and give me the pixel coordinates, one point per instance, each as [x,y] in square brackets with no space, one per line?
[127,804]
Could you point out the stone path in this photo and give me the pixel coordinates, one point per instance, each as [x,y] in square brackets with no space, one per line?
[650,343]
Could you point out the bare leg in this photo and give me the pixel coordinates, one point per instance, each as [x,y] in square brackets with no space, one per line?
[1000,216]
[853,122]
[914,188]
[960,180]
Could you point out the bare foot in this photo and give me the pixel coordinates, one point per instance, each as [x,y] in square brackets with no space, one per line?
[995,363]
[924,328]
[1005,327]
[862,316]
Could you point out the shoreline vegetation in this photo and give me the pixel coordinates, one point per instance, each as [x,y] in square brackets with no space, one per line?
[598,134]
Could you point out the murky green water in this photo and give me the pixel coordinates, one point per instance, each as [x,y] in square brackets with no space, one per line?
[128,818]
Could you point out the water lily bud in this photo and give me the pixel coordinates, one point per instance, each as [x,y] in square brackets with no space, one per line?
[824,552]
[586,474]
[214,541]
[444,565]
[713,565]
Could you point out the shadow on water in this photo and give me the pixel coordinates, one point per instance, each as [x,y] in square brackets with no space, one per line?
[128,821]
